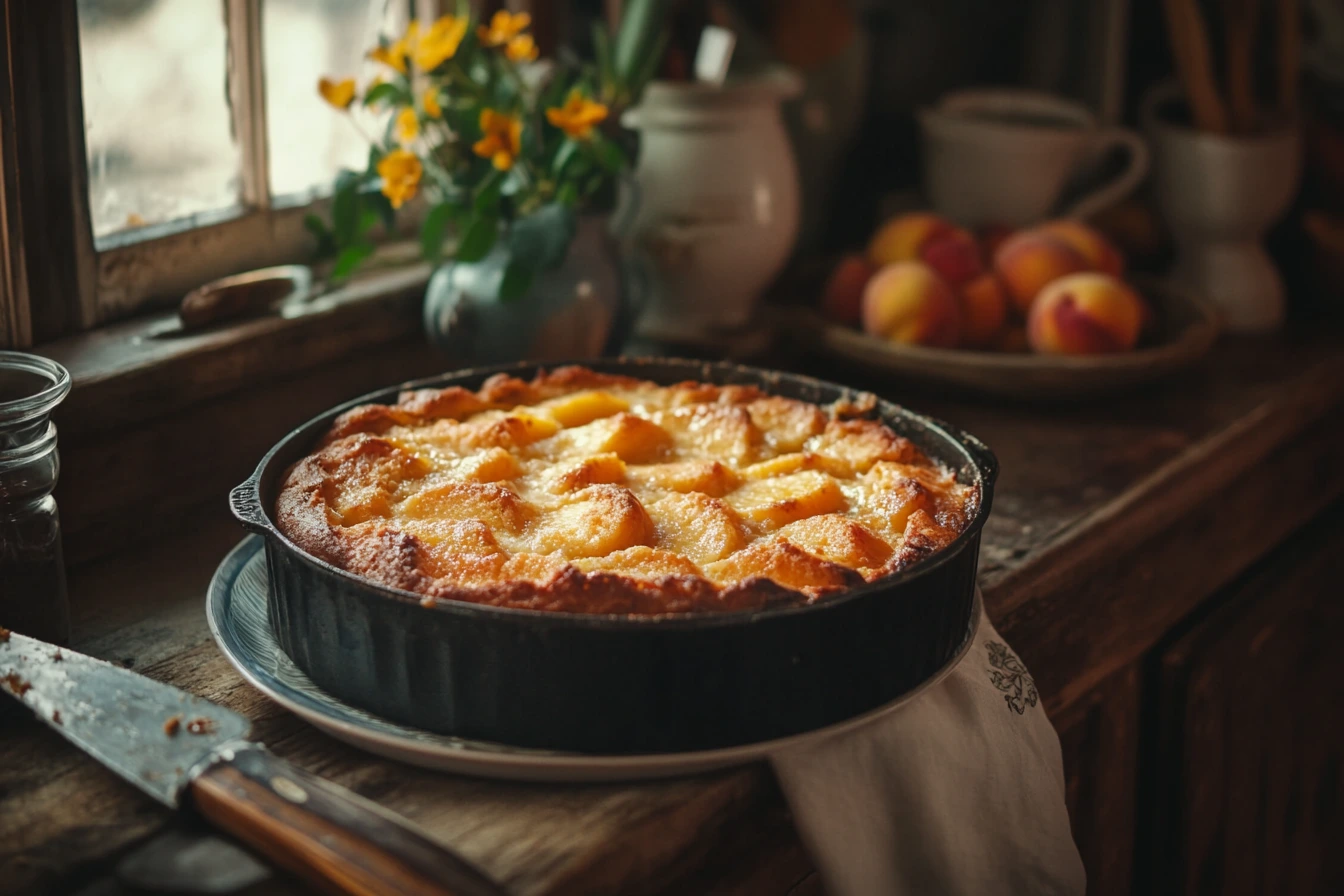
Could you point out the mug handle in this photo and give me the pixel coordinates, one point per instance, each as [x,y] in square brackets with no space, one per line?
[1126,182]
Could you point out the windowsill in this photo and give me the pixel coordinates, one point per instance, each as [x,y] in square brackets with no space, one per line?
[124,373]
[157,430]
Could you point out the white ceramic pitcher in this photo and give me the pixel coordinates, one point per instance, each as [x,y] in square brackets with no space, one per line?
[719,201]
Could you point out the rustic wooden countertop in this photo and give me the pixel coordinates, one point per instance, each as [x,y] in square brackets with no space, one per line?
[1111,521]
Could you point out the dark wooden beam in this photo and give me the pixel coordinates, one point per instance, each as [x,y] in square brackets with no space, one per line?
[49,267]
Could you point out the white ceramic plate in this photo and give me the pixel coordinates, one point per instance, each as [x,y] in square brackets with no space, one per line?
[236,609]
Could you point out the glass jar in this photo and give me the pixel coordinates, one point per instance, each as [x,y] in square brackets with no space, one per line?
[33,598]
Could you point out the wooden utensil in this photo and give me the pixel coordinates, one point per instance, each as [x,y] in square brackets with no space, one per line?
[1194,64]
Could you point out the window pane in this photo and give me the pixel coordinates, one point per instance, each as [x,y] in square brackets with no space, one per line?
[156,111]
[304,41]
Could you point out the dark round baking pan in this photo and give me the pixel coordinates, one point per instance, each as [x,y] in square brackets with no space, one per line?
[618,684]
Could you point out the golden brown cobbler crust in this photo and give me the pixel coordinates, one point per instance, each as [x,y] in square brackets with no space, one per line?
[596,493]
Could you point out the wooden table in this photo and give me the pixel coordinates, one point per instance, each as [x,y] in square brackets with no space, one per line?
[1113,521]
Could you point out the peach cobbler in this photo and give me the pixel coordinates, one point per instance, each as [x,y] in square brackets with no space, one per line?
[596,493]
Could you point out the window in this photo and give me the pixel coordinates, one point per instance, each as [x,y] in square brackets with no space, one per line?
[205,137]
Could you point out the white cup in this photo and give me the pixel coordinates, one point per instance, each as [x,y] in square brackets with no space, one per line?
[1005,157]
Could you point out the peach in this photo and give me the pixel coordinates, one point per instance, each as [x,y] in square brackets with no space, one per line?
[984,310]
[908,302]
[1085,314]
[955,255]
[905,236]
[842,297]
[1099,253]
[1029,261]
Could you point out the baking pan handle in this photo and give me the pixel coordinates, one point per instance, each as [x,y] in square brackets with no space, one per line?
[245,502]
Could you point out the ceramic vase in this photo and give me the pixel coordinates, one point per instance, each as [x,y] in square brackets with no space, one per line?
[719,209]
[581,309]
[1219,195]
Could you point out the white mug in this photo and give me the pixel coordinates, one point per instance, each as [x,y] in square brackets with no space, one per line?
[1005,157]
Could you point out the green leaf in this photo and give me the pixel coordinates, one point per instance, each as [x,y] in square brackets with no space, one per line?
[487,194]
[553,94]
[376,200]
[368,219]
[345,208]
[389,94]
[375,156]
[633,85]
[567,194]
[610,156]
[636,38]
[541,240]
[326,244]
[431,232]
[564,155]
[515,282]
[349,259]
[602,52]
[478,237]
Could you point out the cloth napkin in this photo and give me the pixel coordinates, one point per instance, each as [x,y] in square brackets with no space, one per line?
[959,791]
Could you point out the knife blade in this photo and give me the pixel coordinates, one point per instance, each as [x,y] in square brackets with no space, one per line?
[187,752]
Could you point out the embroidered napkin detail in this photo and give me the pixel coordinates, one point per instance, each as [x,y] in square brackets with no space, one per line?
[948,794]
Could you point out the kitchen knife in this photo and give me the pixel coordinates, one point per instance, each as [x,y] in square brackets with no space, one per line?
[181,749]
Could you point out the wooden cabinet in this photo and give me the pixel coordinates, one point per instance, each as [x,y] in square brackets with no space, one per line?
[1242,791]
[1100,739]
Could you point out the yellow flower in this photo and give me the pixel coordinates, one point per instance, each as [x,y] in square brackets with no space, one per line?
[400,171]
[393,56]
[502,138]
[503,28]
[429,101]
[339,93]
[521,48]
[408,126]
[439,43]
[577,116]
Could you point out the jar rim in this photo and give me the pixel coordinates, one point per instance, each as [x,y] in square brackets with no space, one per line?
[42,401]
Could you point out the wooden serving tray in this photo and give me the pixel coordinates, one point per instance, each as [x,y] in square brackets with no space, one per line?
[1186,329]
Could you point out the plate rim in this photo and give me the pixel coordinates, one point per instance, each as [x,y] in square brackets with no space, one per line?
[505,761]
[1193,340]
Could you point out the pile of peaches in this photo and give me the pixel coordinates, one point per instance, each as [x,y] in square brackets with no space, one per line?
[1056,288]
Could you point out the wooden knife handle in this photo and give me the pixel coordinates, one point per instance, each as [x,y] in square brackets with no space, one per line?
[334,839]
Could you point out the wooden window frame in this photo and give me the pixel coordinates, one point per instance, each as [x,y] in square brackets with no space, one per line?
[44,188]
[56,279]
[134,268]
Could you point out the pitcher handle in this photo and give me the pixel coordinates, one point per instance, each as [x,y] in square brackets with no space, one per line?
[1124,183]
